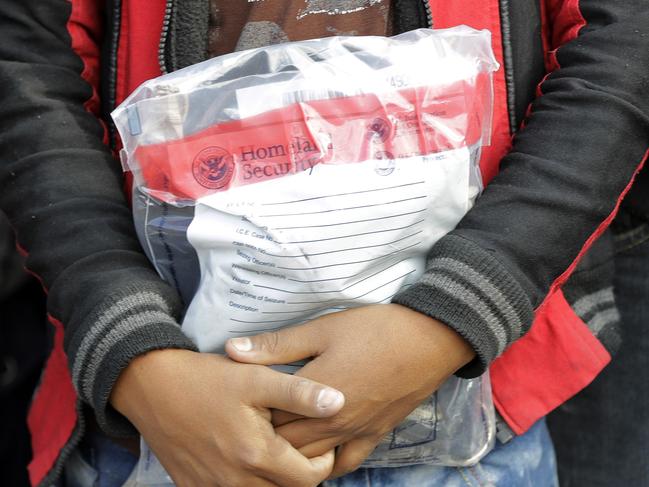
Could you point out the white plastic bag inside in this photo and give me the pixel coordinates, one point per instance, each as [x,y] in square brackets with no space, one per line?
[276,185]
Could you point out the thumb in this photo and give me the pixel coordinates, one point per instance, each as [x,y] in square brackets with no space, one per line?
[298,395]
[279,347]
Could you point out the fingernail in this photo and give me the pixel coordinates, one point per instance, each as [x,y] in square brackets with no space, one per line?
[328,398]
[242,344]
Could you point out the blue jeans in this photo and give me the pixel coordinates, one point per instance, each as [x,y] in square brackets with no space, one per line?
[602,434]
[526,461]
[98,462]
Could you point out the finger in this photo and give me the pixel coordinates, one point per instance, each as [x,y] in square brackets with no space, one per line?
[280,347]
[290,468]
[307,431]
[281,418]
[311,437]
[324,445]
[351,455]
[294,394]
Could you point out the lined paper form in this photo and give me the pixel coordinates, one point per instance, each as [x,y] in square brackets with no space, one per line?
[282,252]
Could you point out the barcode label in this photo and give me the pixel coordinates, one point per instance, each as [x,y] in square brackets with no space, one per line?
[259,99]
[302,96]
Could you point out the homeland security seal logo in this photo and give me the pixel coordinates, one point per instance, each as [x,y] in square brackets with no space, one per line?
[385,164]
[379,129]
[213,167]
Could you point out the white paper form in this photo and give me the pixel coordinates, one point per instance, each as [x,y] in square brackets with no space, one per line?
[282,252]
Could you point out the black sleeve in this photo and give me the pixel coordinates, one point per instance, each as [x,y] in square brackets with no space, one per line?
[558,188]
[62,191]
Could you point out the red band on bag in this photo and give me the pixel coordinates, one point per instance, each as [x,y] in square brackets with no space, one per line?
[295,138]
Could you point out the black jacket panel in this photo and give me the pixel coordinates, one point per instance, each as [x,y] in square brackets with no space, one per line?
[62,190]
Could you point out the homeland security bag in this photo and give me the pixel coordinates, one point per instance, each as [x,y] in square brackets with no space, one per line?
[276,185]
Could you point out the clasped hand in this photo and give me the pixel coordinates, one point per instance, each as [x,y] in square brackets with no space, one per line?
[385,359]
[214,422]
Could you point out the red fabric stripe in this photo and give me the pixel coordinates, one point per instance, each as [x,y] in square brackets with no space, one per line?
[37,277]
[530,380]
[545,29]
[85,28]
[137,53]
[23,252]
[559,356]
[565,19]
[138,44]
[482,14]
[52,416]
[598,232]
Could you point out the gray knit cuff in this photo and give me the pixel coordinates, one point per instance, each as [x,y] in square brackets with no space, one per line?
[469,290]
[120,330]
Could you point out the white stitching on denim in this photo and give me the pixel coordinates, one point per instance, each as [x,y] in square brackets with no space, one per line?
[461,471]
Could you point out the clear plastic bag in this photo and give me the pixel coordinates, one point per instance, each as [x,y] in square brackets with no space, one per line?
[276,185]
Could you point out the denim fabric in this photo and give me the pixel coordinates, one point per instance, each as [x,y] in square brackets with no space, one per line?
[602,434]
[526,461]
[98,462]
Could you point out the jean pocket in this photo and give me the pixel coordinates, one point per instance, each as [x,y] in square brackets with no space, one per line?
[78,472]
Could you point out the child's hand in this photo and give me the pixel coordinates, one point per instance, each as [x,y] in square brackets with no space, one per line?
[386,359]
[207,419]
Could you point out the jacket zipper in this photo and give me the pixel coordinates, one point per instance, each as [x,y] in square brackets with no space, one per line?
[169,4]
[112,70]
[429,14]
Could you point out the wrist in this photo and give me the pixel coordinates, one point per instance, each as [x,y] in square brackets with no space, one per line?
[144,373]
[460,350]
[438,336]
